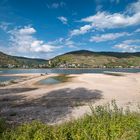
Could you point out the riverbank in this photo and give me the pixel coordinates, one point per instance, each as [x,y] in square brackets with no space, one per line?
[28,100]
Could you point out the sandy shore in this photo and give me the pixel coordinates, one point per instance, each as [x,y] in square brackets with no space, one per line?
[27,100]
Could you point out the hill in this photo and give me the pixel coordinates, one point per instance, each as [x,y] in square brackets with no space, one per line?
[75,59]
[8,61]
[89,59]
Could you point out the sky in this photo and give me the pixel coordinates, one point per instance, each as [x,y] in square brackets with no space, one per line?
[47,28]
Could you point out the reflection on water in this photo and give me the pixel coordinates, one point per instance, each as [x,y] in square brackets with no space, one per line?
[66,71]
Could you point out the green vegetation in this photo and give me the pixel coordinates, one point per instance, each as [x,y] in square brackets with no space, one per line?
[103,124]
[88,59]
[8,61]
[77,59]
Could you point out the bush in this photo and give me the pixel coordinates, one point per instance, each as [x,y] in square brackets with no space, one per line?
[3,126]
[105,123]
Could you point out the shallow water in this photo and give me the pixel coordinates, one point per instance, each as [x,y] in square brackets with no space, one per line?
[66,71]
[49,81]
[8,78]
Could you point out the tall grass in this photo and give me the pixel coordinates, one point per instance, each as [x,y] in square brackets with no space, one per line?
[105,123]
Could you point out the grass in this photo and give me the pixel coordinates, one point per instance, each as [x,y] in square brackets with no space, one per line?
[105,123]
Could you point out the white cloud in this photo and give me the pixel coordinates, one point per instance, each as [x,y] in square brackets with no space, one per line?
[130,41]
[22,41]
[56,5]
[71,44]
[63,42]
[108,36]
[40,46]
[64,20]
[133,7]
[80,31]
[4,25]
[99,7]
[66,42]
[128,46]
[106,20]
[137,30]
[26,30]
[57,41]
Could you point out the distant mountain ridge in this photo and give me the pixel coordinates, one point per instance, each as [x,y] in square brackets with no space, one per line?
[8,61]
[115,54]
[89,59]
[75,59]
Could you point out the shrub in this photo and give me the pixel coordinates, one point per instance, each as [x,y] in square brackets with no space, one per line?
[105,123]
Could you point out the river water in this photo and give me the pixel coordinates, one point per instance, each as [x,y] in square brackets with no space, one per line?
[62,71]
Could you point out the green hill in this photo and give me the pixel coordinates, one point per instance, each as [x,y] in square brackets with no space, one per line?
[8,61]
[89,59]
[75,59]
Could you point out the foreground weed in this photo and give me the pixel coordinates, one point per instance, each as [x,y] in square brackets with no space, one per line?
[105,123]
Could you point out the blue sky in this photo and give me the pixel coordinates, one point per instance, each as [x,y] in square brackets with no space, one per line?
[46,28]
